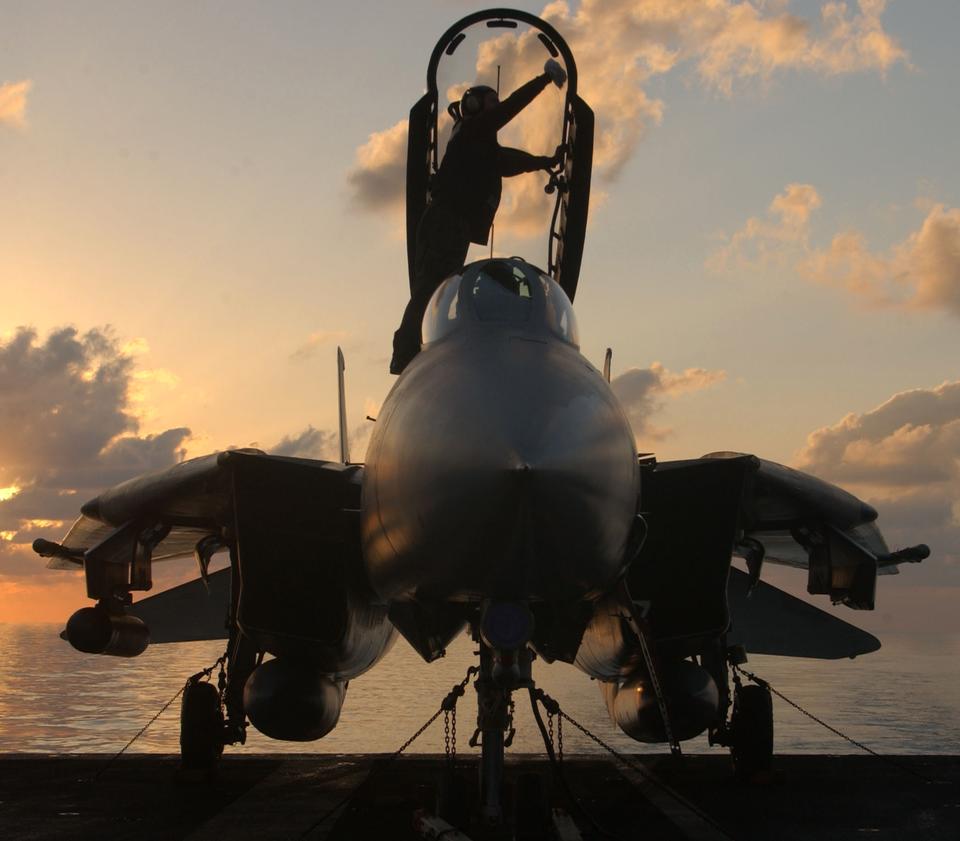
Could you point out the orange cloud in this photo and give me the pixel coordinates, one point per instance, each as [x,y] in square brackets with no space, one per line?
[770,238]
[377,178]
[922,272]
[911,441]
[739,41]
[13,103]
[905,456]
[641,392]
[855,43]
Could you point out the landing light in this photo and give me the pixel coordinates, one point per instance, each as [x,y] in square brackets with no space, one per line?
[506,625]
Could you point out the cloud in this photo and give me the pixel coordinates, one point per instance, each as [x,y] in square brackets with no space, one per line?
[377,180]
[794,206]
[911,440]
[621,46]
[740,41]
[324,444]
[64,399]
[68,432]
[641,392]
[144,385]
[771,238]
[922,272]
[137,346]
[904,456]
[159,376]
[13,103]
[854,43]
[310,443]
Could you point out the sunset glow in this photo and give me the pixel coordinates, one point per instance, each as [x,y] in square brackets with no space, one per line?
[193,221]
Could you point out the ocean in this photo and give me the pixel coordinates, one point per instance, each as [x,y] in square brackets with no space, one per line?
[903,699]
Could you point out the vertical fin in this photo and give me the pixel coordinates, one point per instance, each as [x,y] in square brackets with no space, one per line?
[342,396]
[607,362]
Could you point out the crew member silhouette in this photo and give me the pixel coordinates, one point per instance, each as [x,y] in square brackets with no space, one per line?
[466,193]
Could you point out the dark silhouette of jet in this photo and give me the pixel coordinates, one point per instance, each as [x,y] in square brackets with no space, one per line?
[502,494]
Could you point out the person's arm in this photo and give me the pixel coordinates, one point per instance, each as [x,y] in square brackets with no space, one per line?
[516,161]
[498,116]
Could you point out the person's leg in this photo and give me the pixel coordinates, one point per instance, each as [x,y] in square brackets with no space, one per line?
[441,249]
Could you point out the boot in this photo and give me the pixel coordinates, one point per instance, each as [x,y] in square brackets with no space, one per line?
[403,353]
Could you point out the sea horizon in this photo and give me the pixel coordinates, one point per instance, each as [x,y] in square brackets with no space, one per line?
[902,699]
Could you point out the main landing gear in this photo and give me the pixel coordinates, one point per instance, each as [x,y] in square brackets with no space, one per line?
[201,727]
[212,715]
[749,733]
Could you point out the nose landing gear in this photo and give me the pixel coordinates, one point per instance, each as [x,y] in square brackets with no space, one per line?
[501,672]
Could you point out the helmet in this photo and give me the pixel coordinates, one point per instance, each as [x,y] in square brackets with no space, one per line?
[472,101]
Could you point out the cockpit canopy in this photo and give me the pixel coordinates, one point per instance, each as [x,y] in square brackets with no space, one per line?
[508,292]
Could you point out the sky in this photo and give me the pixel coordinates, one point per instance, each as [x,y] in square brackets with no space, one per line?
[199,201]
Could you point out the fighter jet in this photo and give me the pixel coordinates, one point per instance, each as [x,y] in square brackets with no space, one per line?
[501,495]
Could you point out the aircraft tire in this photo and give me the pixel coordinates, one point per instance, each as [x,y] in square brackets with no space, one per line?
[752,729]
[201,727]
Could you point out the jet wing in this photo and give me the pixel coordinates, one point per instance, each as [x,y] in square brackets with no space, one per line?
[87,532]
[767,620]
[296,585]
[196,610]
[783,549]
[793,518]
[702,511]
[194,499]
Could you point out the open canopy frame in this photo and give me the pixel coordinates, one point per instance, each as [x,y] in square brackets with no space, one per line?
[568,223]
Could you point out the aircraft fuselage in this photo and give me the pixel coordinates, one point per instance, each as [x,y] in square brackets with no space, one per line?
[502,465]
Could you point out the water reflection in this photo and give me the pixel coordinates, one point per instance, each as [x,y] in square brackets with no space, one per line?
[903,699]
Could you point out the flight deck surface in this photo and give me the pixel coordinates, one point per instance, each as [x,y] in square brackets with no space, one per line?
[271,796]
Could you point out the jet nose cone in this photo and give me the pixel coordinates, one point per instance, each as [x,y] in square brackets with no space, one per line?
[526,488]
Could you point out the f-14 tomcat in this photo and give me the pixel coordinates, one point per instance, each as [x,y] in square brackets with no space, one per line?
[502,493]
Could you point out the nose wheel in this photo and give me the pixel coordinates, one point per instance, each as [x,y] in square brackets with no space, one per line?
[502,635]
[501,672]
